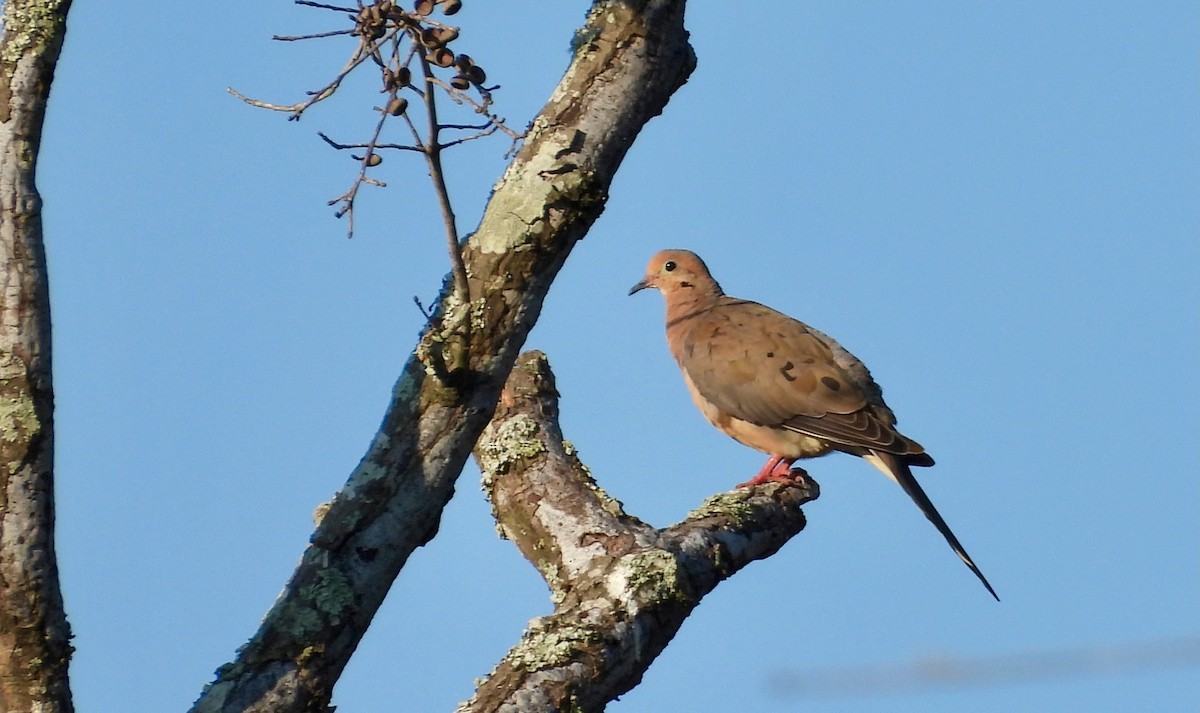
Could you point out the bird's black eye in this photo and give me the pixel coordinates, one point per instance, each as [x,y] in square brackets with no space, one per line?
[669,265]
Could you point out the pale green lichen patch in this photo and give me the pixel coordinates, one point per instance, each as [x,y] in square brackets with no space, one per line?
[19,421]
[331,593]
[478,311]
[653,575]
[611,505]
[309,653]
[543,648]
[558,594]
[515,440]
[444,340]
[734,505]
[29,25]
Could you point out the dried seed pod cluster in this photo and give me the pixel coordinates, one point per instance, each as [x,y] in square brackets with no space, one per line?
[396,79]
[397,106]
[391,39]
[468,71]
[373,159]
[375,21]
[425,7]
[430,38]
[372,21]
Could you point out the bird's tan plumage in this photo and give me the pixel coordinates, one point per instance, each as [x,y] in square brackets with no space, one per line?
[777,385]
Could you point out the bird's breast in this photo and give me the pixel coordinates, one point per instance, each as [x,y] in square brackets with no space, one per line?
[772,441]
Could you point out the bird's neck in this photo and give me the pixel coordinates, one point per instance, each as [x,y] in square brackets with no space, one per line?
[686,303]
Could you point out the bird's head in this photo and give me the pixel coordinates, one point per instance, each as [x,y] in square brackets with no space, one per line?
[676,273]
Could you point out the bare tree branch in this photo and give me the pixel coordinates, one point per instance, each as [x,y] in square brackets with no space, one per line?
[34,636]
[323,6]
[400,147]
[317,36]
[621,588]
[366,50]
[433,159]
[636,55]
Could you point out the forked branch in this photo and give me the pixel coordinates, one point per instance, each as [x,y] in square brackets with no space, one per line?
[621,588]
[634,56]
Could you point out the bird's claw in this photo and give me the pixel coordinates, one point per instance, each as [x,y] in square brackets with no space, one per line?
[781,473]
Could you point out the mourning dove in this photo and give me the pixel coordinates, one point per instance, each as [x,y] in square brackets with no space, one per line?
[779,386]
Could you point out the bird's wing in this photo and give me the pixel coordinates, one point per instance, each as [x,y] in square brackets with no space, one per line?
[759,365]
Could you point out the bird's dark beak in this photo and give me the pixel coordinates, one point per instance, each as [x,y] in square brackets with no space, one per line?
[639,286]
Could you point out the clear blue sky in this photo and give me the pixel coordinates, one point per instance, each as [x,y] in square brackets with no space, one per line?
[995,206]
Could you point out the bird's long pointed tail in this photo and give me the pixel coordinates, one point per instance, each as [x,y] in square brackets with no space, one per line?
[894,468]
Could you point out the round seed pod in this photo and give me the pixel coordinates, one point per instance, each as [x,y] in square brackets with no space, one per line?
[397,106]
[403,77]
[429,37]
[446,35]
[460,82]
[423,7]
[475,74]
[441,56]
[385,7]
[463,61]
[451,6]
[374,159]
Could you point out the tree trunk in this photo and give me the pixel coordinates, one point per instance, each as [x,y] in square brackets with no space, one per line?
[630,58]
[34,635]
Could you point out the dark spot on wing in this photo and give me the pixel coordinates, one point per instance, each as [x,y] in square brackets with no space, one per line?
[831,382]
[785,369]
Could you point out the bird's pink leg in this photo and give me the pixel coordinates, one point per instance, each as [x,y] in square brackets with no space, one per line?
[777,469]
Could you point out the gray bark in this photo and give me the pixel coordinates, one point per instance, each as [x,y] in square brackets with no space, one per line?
[34,636]
[631,56]
[621,588]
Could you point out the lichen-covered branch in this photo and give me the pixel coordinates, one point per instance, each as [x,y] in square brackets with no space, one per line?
[621,588]
[634,56]
[34,636]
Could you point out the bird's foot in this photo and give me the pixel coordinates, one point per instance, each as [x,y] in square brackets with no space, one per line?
[777,470]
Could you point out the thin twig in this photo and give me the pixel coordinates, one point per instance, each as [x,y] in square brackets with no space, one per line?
[426,313]
[361,54]
[461,97]
[323,6]
[433,157]
[488,131]
[342,147]
[347,198]
[319,35]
